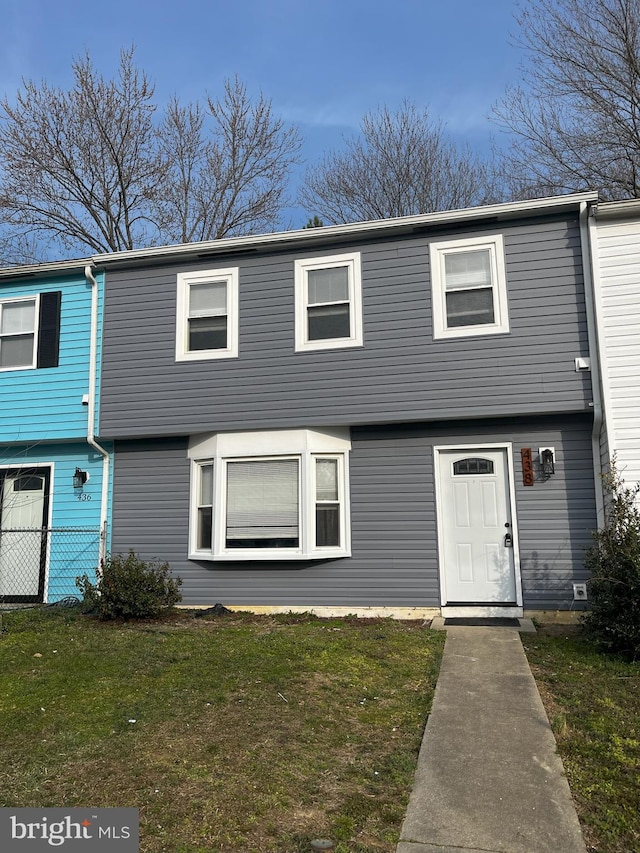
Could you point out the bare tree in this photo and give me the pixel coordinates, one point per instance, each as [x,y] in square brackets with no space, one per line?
[227,181]
[16,248]
[92,169]
[401,164]
[575,118]
[81,164]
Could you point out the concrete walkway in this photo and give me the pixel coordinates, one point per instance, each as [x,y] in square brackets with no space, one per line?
[488,775]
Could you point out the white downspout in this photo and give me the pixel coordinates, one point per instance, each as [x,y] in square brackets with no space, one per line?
[590,269]
[91,414]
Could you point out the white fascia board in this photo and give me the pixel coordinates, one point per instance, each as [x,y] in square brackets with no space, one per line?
[629,208]
[327,233]
[270,442]
[46,269]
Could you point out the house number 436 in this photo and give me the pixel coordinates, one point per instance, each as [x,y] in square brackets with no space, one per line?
[84,497]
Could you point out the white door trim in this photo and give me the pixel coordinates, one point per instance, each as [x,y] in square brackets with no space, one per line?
[478,611]
[25,463]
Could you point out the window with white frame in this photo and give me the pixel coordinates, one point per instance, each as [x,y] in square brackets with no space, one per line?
[469,287]
[204,522]
[270,496]
[328,302]
[263,503]
[327,488]
[18,333]
[207,315]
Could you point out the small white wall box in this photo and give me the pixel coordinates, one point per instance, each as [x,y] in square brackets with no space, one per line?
[582,363]
[85,399]
[579,592]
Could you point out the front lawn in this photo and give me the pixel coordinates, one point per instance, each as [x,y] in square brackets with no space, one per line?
[593,703]
[233,733]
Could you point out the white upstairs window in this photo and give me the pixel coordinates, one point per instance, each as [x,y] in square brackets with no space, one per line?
[328,302]
[18,330]
[469,287]
[207,315]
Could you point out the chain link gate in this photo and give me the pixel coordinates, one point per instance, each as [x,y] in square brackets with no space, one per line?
[42,564]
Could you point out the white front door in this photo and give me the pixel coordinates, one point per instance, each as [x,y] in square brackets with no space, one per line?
[23,512]
[476,536]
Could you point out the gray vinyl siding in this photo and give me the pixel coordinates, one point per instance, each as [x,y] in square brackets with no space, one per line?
[394,558]
[400,374]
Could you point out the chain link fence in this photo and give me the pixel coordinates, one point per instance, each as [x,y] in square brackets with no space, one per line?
[42,564]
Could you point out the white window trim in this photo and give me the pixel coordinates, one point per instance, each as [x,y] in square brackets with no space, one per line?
[314,502]
[437,252]
[302,268]
[304,445]
[185,280]
[34,362]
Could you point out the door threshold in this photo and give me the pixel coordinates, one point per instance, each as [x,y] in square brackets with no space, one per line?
[482,612]
[481,622]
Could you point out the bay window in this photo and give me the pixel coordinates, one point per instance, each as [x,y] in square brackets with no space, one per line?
[270,496]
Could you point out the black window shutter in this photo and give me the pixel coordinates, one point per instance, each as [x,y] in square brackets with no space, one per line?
[49,329]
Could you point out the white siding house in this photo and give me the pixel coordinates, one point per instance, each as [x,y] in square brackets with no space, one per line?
[618,282]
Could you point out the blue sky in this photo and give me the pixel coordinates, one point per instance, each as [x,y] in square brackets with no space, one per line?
[323,63]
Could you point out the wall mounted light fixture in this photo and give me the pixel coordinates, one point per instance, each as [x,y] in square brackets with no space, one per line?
[80,477]
[547,461]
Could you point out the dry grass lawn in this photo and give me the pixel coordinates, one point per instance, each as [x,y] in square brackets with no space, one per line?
[234,733]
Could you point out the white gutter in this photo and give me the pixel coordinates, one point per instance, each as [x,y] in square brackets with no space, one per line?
[591,276]
[619,209]
[352,229]
[309,236]
[91,414]
[600,332]
[47,268]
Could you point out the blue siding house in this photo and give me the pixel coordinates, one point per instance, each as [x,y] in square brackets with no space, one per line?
[54,474]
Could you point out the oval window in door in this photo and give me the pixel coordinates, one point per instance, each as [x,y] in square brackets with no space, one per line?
[473,465]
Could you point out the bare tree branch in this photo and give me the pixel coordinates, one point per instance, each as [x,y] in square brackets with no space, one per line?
[81,164]
[227,169]
[576,116]
[19,248]
[401,164]
[89,169]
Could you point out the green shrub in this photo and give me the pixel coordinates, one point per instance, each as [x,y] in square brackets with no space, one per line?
[130,588]
[614,563]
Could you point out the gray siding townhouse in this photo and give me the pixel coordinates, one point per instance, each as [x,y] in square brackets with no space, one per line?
[392,416]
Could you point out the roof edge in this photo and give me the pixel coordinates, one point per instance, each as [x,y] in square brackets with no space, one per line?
[45,269]
[328,232]
[503,210]
[625,209]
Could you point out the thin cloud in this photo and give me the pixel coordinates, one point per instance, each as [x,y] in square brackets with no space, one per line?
[322,115]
